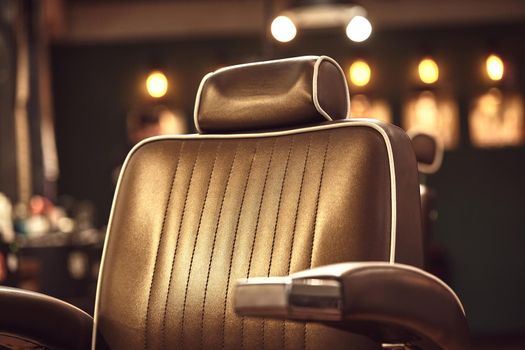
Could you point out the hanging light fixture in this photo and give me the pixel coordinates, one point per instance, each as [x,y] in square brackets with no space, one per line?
[318,14]
[358,29]
[283,29]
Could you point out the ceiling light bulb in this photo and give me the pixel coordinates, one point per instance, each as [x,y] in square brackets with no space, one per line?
[495,67]
[428,71]
[359,29]
[360,73]
[283,29]
[157,84]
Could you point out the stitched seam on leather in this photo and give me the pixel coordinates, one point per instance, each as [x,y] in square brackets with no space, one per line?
[318,197]
[163,332]
[234,243]
[295,224]
[213,244]
[257,227]
[356,122]
[168,200]
[315,217]
[303,130]
[195,245]
[263,323]
[299,202]
[279,203]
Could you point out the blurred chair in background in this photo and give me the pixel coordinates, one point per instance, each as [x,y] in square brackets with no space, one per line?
[429,152]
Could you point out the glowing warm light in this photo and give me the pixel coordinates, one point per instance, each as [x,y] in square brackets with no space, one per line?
[358,29]
[495,67]
[157,84]
[363,107]
[283,29]
[434,114]
[497,119]
[428,71]
[172,122]
[360,73]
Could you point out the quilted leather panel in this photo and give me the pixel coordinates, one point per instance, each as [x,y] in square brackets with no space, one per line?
[193,215]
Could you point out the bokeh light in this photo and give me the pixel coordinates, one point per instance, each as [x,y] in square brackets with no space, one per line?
[360,73]
[157,84]
[428,71]
[495,67]
[283,29]
[359,29]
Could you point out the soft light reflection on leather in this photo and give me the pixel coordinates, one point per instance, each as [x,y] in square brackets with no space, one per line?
[269,96]
[199,214]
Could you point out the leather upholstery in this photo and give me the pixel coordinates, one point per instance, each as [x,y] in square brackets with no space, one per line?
[429,156]
[397,303]
[427,220]
[193,214]
[32,319]
[269,95]
[409,300]
[428,150]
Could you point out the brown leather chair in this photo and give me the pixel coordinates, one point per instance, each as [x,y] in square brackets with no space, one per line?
[429,153]
[277,181]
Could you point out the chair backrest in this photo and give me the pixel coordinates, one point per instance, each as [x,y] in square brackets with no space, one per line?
[297,185]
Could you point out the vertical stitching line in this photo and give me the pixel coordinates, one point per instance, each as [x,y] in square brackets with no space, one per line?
[295,225]
[317,200]
[290,147]
[195,245]
[168,200]
[316,213]
[163,333]
[257,227]
[214,241]
[279,203]
[233,246]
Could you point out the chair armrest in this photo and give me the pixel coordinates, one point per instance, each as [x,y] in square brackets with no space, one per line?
[391,303]
[28,319]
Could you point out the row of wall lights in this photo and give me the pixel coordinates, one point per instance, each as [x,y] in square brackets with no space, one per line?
[360,72]
[425,111]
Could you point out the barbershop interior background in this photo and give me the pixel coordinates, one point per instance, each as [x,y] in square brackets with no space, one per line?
[74,99]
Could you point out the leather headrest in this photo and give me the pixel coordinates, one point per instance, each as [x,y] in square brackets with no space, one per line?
[284,93]
[428,150]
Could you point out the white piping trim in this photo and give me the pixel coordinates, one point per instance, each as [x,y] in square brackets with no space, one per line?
[315,84]
[354,122]
[337,270]
[319,60]
[438,157]
[260,63]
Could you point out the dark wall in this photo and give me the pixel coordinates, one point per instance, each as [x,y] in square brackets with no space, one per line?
[481,225]
[480,192]
[8,67]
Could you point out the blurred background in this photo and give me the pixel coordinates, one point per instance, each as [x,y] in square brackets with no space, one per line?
[81,81]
